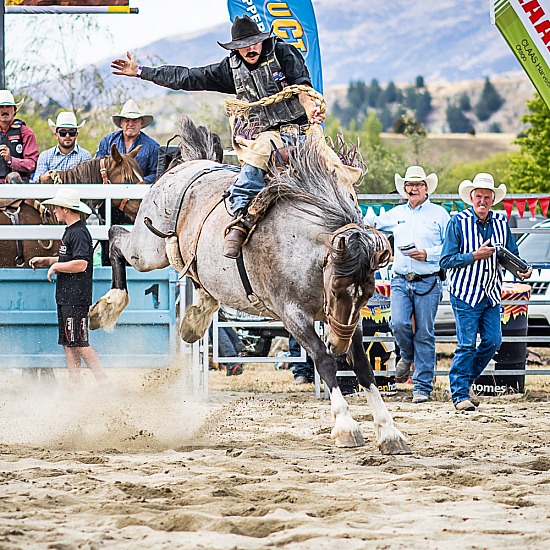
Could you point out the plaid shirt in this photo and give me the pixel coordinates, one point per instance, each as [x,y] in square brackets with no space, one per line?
[54,159]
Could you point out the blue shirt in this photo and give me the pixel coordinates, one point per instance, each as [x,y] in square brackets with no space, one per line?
[54,159]
[423,226]
[451,257]
[147,157]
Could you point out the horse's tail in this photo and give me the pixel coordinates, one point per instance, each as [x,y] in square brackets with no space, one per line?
[199,142]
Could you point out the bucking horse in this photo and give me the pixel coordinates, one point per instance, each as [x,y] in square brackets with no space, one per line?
[310,258]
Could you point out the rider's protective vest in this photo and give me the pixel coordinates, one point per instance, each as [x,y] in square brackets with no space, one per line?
[262,81]
[12,138]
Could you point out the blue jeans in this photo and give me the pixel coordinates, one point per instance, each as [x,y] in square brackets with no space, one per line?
[300,369]
[418,298]
[469,361]
[248,185]
[251,180]
[229,344]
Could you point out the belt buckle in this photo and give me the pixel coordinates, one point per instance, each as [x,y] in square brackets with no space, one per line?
[410,277]
[292,130]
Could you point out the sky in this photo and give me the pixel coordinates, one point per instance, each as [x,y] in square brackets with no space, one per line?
[156,19]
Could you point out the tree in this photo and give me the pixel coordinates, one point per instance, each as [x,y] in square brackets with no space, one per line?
[464,102]
[419,83]
[529,169]
[457,120]
[390,93]
[489,102]
[374,92]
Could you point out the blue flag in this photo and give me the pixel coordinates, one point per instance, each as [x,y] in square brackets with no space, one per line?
[293,21]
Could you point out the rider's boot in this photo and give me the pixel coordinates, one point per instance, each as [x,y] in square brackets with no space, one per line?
[235,237]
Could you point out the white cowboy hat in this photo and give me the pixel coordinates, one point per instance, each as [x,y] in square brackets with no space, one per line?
[65,119]
[481,181]
[69,198]
[6,98]
[415,173]
[131,110]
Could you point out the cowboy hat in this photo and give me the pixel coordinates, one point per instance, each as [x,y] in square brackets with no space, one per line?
[415,173]
[65,119]
[69,198]
[6,98]
[131,110]
[244,33]
[481,181]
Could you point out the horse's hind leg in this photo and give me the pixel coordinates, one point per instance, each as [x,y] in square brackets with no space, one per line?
[198,317]
[345,431]
[390,440]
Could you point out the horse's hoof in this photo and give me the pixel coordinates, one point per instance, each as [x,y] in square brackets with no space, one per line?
[394,447]
[93,319]
[350,440]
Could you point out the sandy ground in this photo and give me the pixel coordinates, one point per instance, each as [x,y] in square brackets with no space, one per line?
[141,463]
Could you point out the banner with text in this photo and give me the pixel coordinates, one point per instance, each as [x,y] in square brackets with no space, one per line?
[525,25]
[293,21]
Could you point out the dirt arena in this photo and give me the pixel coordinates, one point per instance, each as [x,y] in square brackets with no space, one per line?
[141,463]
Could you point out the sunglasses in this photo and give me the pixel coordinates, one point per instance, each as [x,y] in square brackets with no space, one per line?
[64,133]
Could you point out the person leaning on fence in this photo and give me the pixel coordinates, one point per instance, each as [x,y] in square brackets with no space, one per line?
[73,294]
[131,122]
[67,153]
[475,282]
[418,228]
[18,145]
[258,66]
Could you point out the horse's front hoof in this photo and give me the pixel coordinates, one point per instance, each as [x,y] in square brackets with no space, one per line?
[394,447]
[354,439]
[189,335]
[93,318]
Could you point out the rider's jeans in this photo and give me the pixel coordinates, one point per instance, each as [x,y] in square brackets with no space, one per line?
[248,185]
[418,298]
[469,361]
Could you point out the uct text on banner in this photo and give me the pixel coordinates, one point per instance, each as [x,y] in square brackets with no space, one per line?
[525,25]
[293,21]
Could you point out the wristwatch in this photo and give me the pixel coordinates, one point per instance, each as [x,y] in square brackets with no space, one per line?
[138,74]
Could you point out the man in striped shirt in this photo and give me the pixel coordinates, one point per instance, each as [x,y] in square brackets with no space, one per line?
[475,282]
[66,154]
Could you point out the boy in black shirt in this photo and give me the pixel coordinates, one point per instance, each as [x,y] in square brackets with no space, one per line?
[74,283]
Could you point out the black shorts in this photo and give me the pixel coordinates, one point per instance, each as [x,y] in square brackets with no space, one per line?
[72,323]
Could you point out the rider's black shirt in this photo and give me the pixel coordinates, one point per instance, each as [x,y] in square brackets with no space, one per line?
[75,289]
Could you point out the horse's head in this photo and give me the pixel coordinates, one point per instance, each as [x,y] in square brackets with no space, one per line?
[123,168]
[353,256]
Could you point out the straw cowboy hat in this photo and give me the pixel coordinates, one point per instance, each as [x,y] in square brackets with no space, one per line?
[481,181]
[6,98]
[415,173]
[65,119]
[69,198]
[131,110]
[244,33]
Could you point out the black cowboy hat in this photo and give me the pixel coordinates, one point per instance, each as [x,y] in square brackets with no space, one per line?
[244,33]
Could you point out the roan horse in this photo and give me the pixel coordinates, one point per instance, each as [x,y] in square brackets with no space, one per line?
[310,258]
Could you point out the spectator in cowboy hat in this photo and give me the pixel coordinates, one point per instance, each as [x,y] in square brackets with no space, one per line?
[74,271]
[66,154]
[475,282]
[18,146]
[131,122]
[418,228]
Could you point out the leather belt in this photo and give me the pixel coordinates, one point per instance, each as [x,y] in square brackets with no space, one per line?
[413,277]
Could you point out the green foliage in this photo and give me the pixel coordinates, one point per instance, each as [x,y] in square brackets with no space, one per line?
[497,165]
[419,82]
[489,102]
[529,169]
[464,103]
[382,161]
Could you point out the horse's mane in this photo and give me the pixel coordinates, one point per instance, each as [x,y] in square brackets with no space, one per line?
[89,171]
[198,143]
[313,189]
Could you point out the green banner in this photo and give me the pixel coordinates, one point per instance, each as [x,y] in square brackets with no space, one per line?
[525,25]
